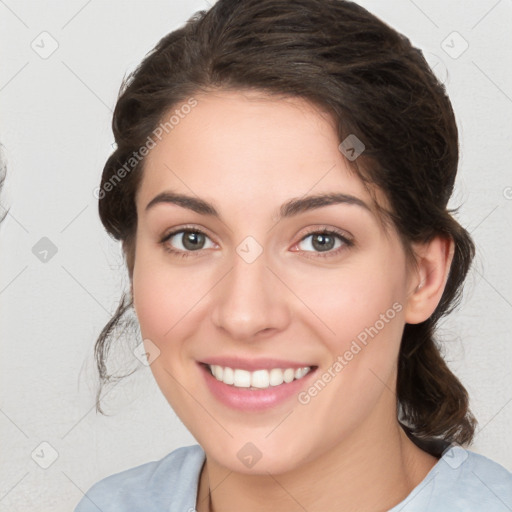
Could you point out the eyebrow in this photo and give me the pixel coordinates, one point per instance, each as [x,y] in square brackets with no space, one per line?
[290,208]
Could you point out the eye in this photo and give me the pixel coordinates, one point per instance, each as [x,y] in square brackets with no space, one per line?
[186,240]
[183,242]
[324,241]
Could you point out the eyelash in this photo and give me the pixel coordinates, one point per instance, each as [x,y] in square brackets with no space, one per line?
[347,242]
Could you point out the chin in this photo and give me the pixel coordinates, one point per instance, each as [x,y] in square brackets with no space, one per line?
[258,457]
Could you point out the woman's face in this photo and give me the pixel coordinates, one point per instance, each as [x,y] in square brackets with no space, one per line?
[257,276]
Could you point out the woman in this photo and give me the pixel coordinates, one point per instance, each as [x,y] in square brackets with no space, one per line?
[280,189]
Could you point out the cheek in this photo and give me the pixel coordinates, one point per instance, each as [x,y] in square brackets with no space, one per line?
[166,299]
[364,307]
[363,296]
[149,298]
[152,296]
[361,308]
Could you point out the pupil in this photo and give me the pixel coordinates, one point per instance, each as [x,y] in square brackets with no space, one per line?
[323,242]
[193,241]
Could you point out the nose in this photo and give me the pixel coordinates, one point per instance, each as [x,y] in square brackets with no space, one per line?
[250,302]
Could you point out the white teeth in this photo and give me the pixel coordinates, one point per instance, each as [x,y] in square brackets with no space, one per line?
[300,372]
[288,375]
[276,377]
[218,371]
[242,379]
[228,377]
[260,379]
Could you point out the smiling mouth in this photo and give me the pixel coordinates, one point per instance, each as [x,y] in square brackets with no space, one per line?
[258,379]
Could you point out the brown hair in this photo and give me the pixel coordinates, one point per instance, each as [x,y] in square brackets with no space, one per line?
[378,87]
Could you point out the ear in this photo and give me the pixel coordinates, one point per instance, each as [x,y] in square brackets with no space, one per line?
[428,279]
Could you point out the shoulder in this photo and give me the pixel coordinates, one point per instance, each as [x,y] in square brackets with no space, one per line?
[481,482]
[462,480]
[159,484]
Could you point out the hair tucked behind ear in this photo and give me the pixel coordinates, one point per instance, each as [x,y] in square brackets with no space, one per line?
[433,402]
[376,86]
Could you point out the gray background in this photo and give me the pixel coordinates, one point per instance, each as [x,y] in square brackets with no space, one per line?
[55,128]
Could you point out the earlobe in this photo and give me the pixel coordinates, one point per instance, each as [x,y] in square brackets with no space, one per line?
[427,283]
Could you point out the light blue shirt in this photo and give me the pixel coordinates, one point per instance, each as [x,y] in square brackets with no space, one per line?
[460,481]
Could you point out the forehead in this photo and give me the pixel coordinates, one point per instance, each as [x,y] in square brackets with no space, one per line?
[250,149]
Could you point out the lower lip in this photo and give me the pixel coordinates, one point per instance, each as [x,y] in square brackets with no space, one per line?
[253,399]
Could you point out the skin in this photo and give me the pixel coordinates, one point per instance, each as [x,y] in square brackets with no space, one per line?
[247,154]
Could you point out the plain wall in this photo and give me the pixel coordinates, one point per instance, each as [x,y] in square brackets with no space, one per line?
[55,129]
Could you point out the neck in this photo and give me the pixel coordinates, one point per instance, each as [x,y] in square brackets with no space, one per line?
[375,468]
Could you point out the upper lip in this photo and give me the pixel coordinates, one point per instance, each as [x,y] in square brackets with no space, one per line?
[253,364]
